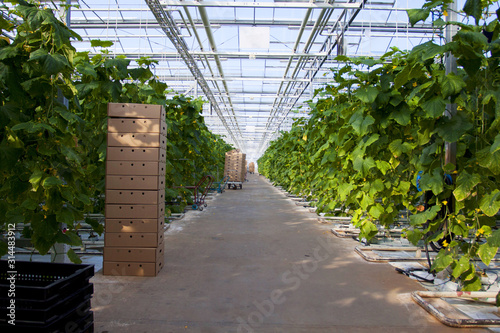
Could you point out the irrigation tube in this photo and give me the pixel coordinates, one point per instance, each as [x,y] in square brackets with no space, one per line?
[418,297]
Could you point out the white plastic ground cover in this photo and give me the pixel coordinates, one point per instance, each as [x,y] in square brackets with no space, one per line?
[482,310]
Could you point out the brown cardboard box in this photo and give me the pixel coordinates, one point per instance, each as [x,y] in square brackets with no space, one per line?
[117,268]
[136,154]
[135,197]
[133,239]
[134,254]
[117,211]
[135,225]
[131,110]
[137,168]
[149,140]
[131,125]
[122,182]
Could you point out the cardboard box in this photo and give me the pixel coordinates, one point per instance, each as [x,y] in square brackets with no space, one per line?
[135,197]
[133,239]
[149,140]
[131,125]
[132,110]
[134,254]
[136,154]
[135,225]
[117,268]
[122,182]
[117,211]
[137,168]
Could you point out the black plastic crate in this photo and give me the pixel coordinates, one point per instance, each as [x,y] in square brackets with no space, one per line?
[79,321]
[36,312]
[42,281]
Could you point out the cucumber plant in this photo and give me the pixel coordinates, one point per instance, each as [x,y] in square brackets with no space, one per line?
[383,125]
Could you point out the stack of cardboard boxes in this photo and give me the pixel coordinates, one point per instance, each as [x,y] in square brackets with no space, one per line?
[135,190]
[251,167]
[235,166]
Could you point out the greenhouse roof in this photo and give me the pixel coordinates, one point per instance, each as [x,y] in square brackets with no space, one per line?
[256,63]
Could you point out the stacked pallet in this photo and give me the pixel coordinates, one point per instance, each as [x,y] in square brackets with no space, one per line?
[251,167]
[235,166]
[135,190]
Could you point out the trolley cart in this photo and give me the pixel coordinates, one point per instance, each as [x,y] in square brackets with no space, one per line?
[198,194]
[234,185]
[221,185]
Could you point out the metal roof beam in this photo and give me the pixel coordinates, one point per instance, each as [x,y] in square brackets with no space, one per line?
[286,5]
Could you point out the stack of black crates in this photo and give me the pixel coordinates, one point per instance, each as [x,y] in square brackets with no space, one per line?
[46,297]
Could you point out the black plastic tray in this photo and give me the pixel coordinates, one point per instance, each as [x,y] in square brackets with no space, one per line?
[26,312]
[79,320]
[41,280]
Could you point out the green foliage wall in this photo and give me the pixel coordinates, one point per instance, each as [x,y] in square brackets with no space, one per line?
[53,111]
[384,123]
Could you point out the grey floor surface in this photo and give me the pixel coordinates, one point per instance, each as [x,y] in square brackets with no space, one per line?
[253,261]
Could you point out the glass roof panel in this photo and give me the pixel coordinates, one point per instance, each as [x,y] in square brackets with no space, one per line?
[250,75]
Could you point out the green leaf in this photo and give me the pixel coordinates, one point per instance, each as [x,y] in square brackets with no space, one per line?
[451,130]
[490,203]
[376,211]
[36,178]
[434,107]
[8,52]
[452,85]
[85,199]
[73,257]
[100,43]
[473,284]
[363,165]
[489,160]
[360,123]
[402,77]
[414,236]
[397,147]
[15,216]
[51,181]
[442,261]
[465,184]
[487,252]
[32,127]
[416,15]
[432,182]
[494,239]
[29,204]
[367,94]
[368,230]
[402,115]
[71,154]
[376,187]
[461,267]
[473,8]
[65,215]
[54,63]
[383,166]
[496,145]
[421,218]
[69,237]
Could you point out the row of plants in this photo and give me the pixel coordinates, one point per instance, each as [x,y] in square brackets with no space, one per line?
[53,124]
[375,144]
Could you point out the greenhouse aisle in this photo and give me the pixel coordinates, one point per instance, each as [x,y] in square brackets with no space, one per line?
[253,261]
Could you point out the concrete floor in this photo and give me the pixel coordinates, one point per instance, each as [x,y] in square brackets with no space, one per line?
[253,261]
